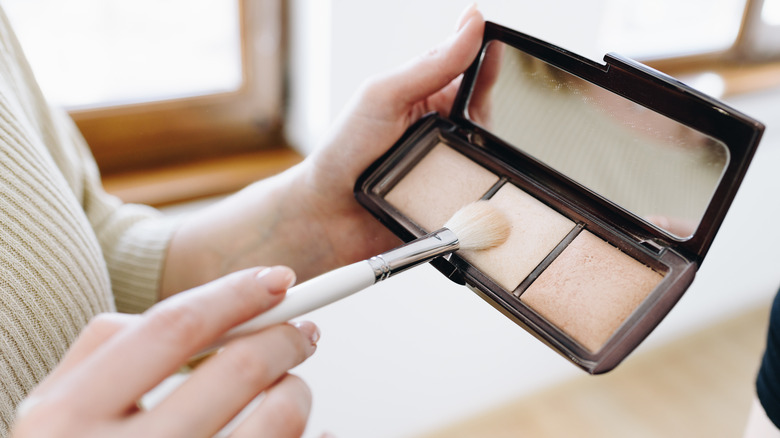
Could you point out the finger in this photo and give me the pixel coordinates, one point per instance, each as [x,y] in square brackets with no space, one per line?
[465,16]
[440,102]
[101,328]
[434,70]
[223,385]
[283,412]
[137,359]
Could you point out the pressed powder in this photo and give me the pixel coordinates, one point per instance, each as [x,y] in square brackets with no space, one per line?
[587,291]
[536,230]
[590,289]
[439,185]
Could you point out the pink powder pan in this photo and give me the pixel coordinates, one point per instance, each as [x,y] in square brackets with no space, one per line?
[585,269]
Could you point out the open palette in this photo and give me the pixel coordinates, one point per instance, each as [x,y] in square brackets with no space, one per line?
[615,177]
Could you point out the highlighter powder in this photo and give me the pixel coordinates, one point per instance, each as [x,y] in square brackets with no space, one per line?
[590,289]
[536,230]
[439,185]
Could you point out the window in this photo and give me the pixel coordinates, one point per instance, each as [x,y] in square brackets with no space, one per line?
[760,39]
[129,52]
[722,47]
[155,82]
[743,30]
[655,29]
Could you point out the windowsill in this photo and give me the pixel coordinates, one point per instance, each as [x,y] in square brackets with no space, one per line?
[186,182]
[738,78]
[741,79]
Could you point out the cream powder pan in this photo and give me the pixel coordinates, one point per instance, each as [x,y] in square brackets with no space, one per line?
[439,185]
[536,230]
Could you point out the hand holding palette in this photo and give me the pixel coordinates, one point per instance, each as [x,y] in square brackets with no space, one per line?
[615,178]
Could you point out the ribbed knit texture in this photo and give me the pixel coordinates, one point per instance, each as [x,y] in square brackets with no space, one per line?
[67,249]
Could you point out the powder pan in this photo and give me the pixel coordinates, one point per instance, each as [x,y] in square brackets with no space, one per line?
[616,179]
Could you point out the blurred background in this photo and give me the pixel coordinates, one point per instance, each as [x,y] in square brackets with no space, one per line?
[183,101]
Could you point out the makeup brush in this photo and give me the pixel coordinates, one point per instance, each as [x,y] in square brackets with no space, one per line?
[477,226]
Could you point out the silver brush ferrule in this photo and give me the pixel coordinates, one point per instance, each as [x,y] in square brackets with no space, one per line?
[418,251]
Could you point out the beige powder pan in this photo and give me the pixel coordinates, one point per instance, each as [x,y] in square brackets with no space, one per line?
[590,289]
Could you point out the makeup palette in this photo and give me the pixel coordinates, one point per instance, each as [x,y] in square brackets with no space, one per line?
[615,179]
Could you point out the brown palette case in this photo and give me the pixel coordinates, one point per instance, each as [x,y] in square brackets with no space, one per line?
[615,178]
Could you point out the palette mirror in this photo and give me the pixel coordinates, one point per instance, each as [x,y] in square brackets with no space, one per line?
[662,171]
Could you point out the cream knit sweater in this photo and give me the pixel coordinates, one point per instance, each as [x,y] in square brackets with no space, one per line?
[67,249]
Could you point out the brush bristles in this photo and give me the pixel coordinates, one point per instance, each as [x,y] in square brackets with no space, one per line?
[479,226]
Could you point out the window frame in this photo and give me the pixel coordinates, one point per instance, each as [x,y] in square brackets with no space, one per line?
[133,137]
[742,68]
[171,151]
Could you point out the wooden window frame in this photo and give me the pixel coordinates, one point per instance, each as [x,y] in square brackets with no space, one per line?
[740,67]
[165,152]
[139,144]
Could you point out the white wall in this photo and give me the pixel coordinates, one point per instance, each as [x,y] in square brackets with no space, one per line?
[337,44]
[417,351]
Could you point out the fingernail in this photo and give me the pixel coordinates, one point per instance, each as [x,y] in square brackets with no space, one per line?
[308,329]
[465,16]
[276,279]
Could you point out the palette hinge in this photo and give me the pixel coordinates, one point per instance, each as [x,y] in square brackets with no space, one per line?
[475,138]
[653,246]
[462,133]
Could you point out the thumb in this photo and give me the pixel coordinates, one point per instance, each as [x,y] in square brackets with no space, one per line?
[439,66]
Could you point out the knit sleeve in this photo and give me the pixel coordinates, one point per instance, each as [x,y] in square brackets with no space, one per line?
[133,237]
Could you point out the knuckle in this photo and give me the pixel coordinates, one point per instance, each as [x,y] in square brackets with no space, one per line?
[370,86]
[373,89]
[300,386]
[294,404]
[246,365]
[108,322]
[176,323]
[100,321]
[255,367]
[99,324]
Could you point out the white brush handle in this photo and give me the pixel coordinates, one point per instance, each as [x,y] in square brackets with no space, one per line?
[321,291]
[310,295]
[343,282]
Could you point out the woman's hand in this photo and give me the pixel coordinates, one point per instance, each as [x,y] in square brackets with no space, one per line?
[380,113]
[307,217]
[119,358]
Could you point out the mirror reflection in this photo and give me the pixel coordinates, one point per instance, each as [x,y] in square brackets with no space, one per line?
[650,165]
